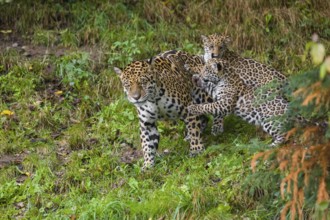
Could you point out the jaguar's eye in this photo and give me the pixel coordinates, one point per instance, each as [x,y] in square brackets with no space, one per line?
[143,81]
[125,84]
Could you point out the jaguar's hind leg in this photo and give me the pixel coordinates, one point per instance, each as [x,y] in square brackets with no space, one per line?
[274,128]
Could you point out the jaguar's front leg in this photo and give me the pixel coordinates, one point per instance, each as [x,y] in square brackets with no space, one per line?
[210,108]
[214,108]
[193,125]
[199,109]
[217,126]
[149,139]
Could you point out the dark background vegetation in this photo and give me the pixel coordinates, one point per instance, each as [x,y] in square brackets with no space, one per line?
[69,141]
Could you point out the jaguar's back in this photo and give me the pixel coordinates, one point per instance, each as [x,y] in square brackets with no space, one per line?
[173,80]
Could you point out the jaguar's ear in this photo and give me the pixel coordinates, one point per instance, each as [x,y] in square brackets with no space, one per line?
[117,70]
[204,39]
[214,67]
[227,40]
[150,60]
[219,66]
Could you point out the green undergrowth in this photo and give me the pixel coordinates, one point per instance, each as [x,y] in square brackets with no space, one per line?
[69,139]
[82,157]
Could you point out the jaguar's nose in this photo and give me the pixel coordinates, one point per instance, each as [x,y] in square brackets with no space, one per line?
[195,79]
[136,95]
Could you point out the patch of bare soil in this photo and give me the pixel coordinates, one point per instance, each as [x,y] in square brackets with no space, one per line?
[28,50]
[15,159]
[7,160]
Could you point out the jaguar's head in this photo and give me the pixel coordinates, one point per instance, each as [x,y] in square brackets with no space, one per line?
[211,73]
[138,81]
[214,69]
[214,45]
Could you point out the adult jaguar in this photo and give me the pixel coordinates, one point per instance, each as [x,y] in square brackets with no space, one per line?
[160,88]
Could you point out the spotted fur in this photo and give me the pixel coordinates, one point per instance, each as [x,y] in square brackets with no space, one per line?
[233,96]
[180,60]
[160,89]
[253,73]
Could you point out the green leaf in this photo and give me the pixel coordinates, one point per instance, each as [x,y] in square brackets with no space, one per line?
[322,206]
[317,53]
[323,71]
[327,64]
[268,18]
[307,48]
[133,183]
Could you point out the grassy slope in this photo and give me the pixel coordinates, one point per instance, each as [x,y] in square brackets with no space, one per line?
[78,136]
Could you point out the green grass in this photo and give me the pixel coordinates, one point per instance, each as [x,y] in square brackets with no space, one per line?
[78,135]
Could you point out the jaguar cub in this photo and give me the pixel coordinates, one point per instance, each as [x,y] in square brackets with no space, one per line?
[233,96]
[253,73]
[182,59]
[160,89]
